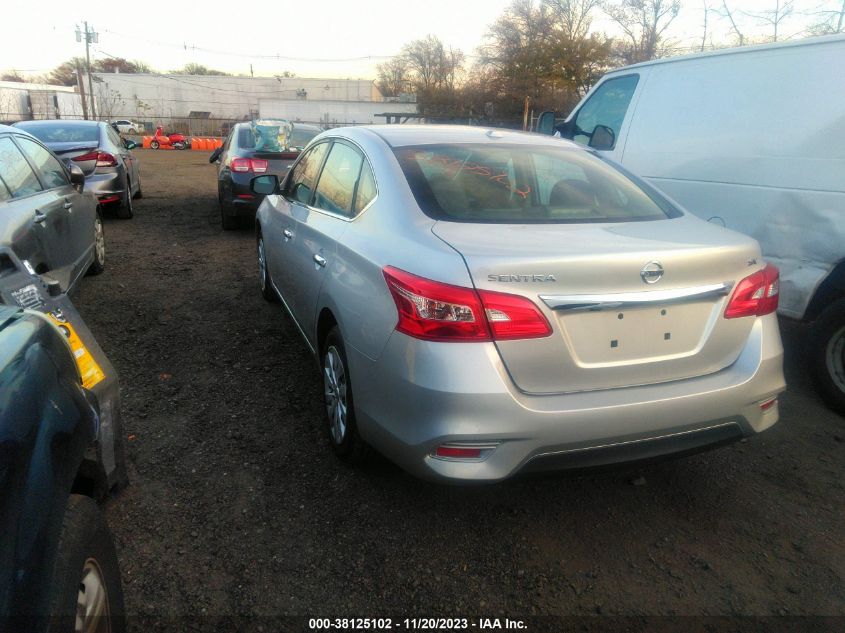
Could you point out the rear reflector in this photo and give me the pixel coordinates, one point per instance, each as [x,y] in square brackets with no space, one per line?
[107,199]
[434,311]
[245,196]
[755,295]
[768,404]
[458,452]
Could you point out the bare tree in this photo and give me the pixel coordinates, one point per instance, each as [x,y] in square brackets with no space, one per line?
[774,17]
[573,17]
[431,64]
[393,76]
[704,31]
[829,21]
[726,12]
[644,23]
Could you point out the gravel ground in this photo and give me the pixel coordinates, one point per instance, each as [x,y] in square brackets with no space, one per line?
[237,507]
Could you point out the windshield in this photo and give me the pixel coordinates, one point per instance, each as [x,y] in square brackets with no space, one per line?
[523,184]
[60,133]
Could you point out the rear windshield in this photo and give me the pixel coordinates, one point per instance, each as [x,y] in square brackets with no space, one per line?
[299,138]
[62,133]
[518,184]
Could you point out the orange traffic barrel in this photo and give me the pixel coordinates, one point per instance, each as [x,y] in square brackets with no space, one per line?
[146,142]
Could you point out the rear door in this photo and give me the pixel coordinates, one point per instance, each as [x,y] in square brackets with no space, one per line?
[30,224]
[76,211]
[281,234]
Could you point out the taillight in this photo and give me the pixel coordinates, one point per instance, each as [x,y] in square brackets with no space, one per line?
[435,311]
[104,159]
[243,165]
[755,295]
[240,164]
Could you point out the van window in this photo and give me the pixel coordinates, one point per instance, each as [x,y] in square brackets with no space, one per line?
[607,106]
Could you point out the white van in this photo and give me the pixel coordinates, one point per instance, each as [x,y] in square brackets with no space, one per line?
[752,138]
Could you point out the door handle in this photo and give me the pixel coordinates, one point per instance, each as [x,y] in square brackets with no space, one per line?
[68,204]
[288,234]
[39,217]
[320,261]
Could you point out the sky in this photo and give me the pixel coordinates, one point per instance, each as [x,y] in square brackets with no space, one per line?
[314,38]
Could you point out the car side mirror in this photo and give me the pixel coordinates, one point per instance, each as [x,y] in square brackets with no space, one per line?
[215,155]
[546,123]
[77,177]
[602,138]
[129,144]
[264,185]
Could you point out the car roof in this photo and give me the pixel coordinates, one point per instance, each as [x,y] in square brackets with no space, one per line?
[400,135]
[4,129]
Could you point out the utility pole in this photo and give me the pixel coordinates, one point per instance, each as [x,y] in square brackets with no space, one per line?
[90,36]
[81,85]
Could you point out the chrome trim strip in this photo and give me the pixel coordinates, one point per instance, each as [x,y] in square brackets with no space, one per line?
[636,299]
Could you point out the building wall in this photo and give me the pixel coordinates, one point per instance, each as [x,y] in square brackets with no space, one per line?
[149,97]
[330,113]
[23,101]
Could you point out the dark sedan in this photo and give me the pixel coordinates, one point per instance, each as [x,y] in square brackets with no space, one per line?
[45,217]
[243,156]
[111,171]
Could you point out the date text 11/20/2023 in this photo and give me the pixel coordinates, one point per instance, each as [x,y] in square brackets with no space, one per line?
[415,624]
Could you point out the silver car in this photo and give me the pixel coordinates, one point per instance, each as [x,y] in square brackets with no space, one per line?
[484,303]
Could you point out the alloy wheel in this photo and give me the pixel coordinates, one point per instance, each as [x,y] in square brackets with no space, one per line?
[99,241]
[835,358]
[262,265]
[334,379]
[92,602]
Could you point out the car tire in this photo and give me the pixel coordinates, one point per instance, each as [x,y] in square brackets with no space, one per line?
[341,425]
[86,576]
[139,194]
[154,145]
[264,281]
[827,355]
[126,210]
[132,130]
[99,264]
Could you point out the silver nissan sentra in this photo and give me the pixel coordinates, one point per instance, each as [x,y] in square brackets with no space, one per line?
[486,302]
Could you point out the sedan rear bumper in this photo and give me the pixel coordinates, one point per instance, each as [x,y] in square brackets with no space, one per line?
[106,185]
[420,395]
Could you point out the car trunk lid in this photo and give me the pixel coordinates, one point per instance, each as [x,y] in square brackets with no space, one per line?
[615,321]
[74,150]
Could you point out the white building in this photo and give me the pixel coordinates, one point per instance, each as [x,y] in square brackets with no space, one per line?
[188,100]
[21,101]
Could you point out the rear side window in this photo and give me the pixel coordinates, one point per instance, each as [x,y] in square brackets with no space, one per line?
[15,170]
[303,176]
[246,139]
[52,172]
[366,191]
[4,191]
[337,181]
[519,184]
[607,106]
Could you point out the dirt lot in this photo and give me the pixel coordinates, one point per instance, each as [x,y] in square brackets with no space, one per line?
[237,506]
